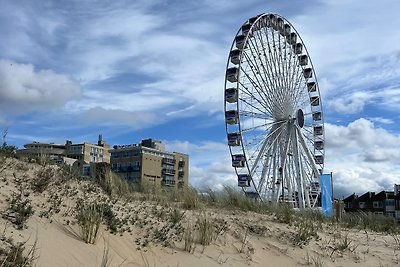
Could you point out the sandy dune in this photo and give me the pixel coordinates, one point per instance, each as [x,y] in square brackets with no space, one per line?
[147,235]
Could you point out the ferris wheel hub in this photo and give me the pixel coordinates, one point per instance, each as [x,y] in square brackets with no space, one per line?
[300,118]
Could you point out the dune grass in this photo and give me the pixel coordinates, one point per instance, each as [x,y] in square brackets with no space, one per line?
[89,217]
[17,254]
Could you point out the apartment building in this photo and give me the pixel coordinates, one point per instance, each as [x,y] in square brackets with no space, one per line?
[84,152]
[150,162]
[382,203]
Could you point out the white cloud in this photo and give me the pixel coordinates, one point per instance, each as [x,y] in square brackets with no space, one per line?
[350,103]
[24,89]
[362,157]
[353,64]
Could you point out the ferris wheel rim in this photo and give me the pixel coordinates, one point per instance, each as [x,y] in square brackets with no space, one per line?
[240,129]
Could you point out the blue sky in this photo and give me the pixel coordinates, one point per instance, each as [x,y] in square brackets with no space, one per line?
[155,69]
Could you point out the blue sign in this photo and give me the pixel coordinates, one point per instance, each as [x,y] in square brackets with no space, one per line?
[326,194]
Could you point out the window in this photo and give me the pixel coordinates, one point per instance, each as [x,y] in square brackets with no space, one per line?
[389,202]
[361,205]
[349,205]
[377,204]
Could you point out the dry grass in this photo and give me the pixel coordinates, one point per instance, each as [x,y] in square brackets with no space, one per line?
[89,217]
[17,255]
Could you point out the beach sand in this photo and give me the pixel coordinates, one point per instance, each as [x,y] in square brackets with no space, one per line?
[153,232]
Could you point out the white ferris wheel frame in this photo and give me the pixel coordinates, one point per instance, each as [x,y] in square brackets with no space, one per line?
[284,162]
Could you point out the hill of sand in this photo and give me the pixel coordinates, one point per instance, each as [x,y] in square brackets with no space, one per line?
[145,230]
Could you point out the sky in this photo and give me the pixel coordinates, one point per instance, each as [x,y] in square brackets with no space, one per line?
[131,70]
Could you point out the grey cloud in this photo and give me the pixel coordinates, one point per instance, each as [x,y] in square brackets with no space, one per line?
[382,155]
[24,89]
[137,120]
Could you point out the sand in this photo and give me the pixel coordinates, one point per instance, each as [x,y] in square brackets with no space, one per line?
[147,236]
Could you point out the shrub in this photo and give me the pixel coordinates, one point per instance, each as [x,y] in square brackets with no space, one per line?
[189,238]
[306,229]
[176,216]
[112,183]
[209,229]
[284,213]
[190,198]
[111,219]
[89,217]
[12,254]
[210,196]
[370,221]
[234,198]
[19,210]
[205,229]
[42,179]
[69,173]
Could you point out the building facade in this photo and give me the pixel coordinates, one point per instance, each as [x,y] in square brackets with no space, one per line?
[150,162]
[85,152]
[383,203]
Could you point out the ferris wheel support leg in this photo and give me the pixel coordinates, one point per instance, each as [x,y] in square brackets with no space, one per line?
[300,174]
[310,157]
[284,156]
[263,179]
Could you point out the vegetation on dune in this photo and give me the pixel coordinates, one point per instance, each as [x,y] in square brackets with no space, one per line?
[167,216]
[89,217]
[17,254]
[19,210]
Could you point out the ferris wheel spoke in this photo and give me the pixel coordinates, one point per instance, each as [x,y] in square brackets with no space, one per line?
[273,88]
[272,136]
[264,83]
[302,100]
[254,115]
[261,153]
[277,67]
[252,97]
[283,64]
[256,86]
[297,86]
[261,126]
[256,108]
[273,73]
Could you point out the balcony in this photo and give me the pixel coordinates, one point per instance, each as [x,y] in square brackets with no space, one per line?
[181,163]
[133,168]
[168,161]
[167,182]
[181,174]
[168,171]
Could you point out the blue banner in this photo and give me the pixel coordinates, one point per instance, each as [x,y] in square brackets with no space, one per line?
[326,194]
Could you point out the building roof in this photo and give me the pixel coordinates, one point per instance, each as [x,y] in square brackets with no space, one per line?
[350,198]
[383,195]
[366,197]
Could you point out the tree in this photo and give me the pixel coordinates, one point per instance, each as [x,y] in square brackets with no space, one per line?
[5,148]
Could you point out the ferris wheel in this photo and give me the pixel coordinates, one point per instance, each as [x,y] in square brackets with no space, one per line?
[273,113]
